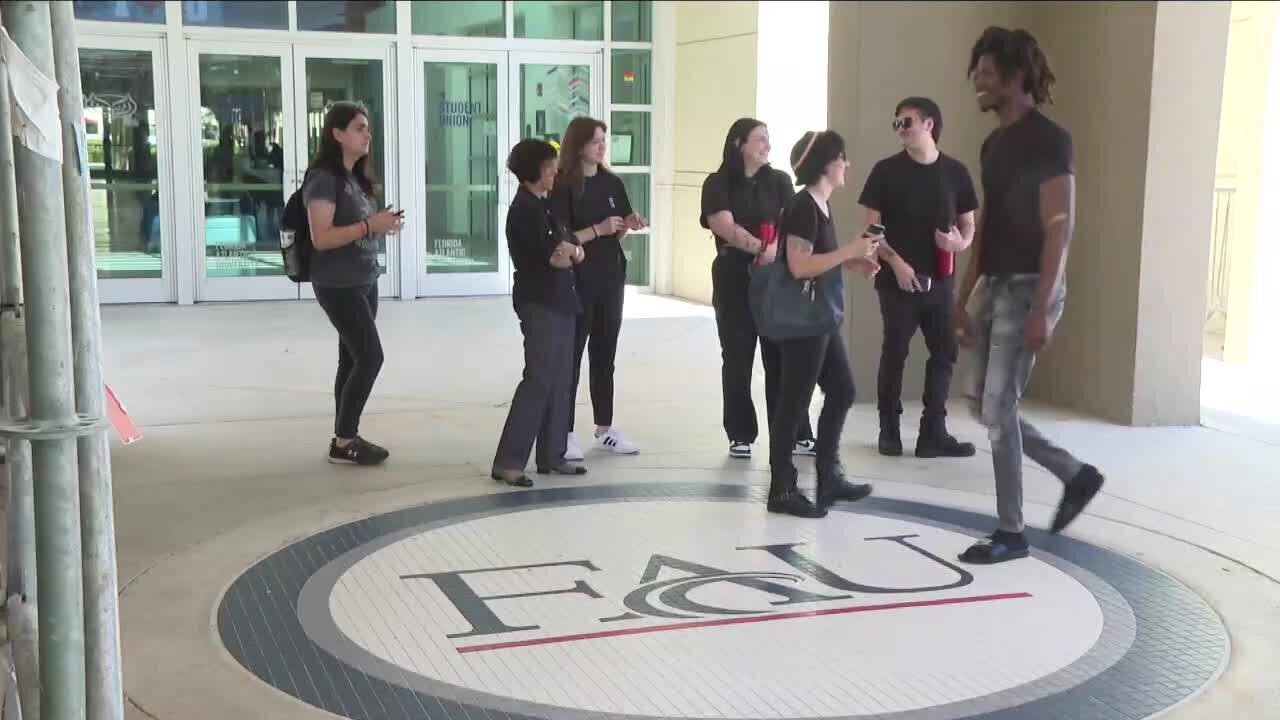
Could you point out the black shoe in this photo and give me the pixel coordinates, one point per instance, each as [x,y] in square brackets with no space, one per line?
[843,491]
[890,438]
[356,452]
[377,449]
[934,441]
[514,478]
[1000,546]
[1076,496]
[562,469]
[795,503]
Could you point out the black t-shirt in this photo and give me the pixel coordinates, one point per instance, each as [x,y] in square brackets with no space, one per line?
[915,200]
[752,200]
[532,236]
[1015,161]
[804,219]
[603,195]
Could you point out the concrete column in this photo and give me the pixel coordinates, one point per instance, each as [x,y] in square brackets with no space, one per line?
[1142,102]
[716,44]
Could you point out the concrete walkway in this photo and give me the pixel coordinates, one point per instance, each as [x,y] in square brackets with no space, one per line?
[236,403]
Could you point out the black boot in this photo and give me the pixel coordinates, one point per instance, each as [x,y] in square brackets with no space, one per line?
[785,498]
[833,487]
[890,436]
[935,441]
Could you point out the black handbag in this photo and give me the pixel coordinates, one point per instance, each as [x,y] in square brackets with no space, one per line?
[785,308]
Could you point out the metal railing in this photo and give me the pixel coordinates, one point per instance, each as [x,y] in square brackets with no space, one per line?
[1220,259]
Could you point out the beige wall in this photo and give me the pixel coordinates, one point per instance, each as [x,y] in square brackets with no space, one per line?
[1140,254]
[715,84]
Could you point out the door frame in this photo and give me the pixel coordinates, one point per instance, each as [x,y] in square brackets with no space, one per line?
[164,288]
[274,287]
[456,284]
[388,136]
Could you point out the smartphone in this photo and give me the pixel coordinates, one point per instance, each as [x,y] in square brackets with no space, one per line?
[926,282]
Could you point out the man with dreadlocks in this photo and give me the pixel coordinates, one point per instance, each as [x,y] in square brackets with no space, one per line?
[1021,256]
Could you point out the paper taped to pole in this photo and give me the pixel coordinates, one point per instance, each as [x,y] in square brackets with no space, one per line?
[33,99]
[120,420]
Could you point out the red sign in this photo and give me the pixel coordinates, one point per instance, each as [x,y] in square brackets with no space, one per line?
[120,420]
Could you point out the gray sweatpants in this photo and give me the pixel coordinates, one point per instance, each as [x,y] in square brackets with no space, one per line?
[1001,373]
[540,406]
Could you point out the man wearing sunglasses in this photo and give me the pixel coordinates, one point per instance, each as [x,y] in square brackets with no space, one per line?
[926,201]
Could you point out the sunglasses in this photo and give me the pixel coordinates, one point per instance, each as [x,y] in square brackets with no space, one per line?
[903,123]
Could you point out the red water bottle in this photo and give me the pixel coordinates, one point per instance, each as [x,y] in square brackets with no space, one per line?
[946,263]
[946,259]
[768,233]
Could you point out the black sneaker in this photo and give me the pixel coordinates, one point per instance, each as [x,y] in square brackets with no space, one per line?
[1076,496]
[356,452]
[1000,546]
[795,503]
[740,450]
[843,491]
[378,449]
[934,441]
[890,439]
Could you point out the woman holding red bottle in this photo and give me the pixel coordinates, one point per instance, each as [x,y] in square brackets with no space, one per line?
[742,202]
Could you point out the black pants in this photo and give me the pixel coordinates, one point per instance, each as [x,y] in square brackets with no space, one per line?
[353,311]
[730,281]
[540,407]
[903,312]
[805,362]
[597,333]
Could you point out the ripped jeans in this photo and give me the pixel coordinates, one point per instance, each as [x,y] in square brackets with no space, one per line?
[1001,373]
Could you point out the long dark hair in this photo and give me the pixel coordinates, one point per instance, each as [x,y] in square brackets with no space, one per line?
[732,166]
[580,132]
[329,153]
[1014,50]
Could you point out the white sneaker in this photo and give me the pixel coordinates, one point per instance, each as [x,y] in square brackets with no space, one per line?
[616,442]
[573,451]
[805,447]
[740,450]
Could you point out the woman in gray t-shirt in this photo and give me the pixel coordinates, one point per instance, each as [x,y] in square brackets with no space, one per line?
[346,231]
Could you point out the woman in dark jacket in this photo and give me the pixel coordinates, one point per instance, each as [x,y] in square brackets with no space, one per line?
[345,232]
[546,301]
[741,202]
[593,203]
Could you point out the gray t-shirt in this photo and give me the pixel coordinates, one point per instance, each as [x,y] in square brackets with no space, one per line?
[352,265]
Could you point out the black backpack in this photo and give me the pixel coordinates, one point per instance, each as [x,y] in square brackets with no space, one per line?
[297,257]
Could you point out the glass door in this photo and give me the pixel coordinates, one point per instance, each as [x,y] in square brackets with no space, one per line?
[130,182]
[243,115]
[554,88]
[328,75]
[456,217]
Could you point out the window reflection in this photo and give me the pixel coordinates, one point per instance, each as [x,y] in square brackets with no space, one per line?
[242,135]
[361,16]
[120,136]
